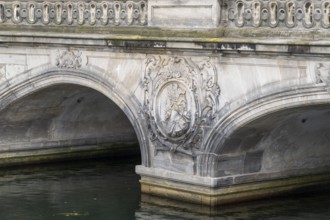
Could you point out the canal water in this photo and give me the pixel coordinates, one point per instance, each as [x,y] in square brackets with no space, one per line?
[108,189]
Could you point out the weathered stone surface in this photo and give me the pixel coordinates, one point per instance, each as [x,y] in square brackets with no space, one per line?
[252,162]
[240,102]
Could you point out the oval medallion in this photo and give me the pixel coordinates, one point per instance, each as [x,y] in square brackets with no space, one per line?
[174,110]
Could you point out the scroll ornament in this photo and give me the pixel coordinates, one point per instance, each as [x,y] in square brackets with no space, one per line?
[181,97]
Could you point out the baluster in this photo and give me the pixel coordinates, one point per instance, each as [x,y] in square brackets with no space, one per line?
[256,14]
[92,13]
[45,13]
[69,13]
[130,9]
[143,12]
[117,13]
[58,16]
[273,13]
[104,17]
[326,14]
[2,13]
[240,11]
[308,14]
[81,13]
[291,13]
[31,9]
[16,13]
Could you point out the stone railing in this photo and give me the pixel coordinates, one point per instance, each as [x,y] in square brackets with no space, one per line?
[169,13]
[279,13]
[74,13]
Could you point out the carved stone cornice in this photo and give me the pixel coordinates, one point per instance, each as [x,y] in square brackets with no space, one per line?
[70,13]
[181,97]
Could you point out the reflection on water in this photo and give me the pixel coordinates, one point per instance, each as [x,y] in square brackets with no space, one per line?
[301,207]
[85,190]
[110,190]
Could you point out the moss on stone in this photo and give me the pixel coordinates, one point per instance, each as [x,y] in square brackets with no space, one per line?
[221,34]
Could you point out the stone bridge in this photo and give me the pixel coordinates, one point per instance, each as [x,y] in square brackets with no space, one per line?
[228,100]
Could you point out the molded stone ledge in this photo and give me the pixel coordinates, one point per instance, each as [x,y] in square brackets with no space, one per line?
[225,181]
[219,45]
[194,189]
[42,155]
[181,177]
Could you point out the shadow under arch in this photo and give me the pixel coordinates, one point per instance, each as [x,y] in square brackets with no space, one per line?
[233,122]
[41,77]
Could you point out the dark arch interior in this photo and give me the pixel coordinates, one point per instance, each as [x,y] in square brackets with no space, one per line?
[67,116]
[287,140]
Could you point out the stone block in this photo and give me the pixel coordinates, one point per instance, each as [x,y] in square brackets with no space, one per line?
[12,59]
[231,145]
[33,61]
[252,162]
[2,72]
[187,13]
[13,70]
[175,162]
[229,165]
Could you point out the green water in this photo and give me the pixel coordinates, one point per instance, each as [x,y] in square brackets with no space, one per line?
[106,189]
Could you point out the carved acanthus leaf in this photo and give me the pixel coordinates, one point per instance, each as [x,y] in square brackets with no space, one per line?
[70,59]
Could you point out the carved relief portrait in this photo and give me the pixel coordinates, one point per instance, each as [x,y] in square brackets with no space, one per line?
[174,109]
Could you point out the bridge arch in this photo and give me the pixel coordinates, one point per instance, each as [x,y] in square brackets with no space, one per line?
[240,133]
[28,82]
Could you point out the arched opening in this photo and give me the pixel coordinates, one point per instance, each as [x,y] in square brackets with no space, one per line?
[64,121]
[74,111]
[292,141]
